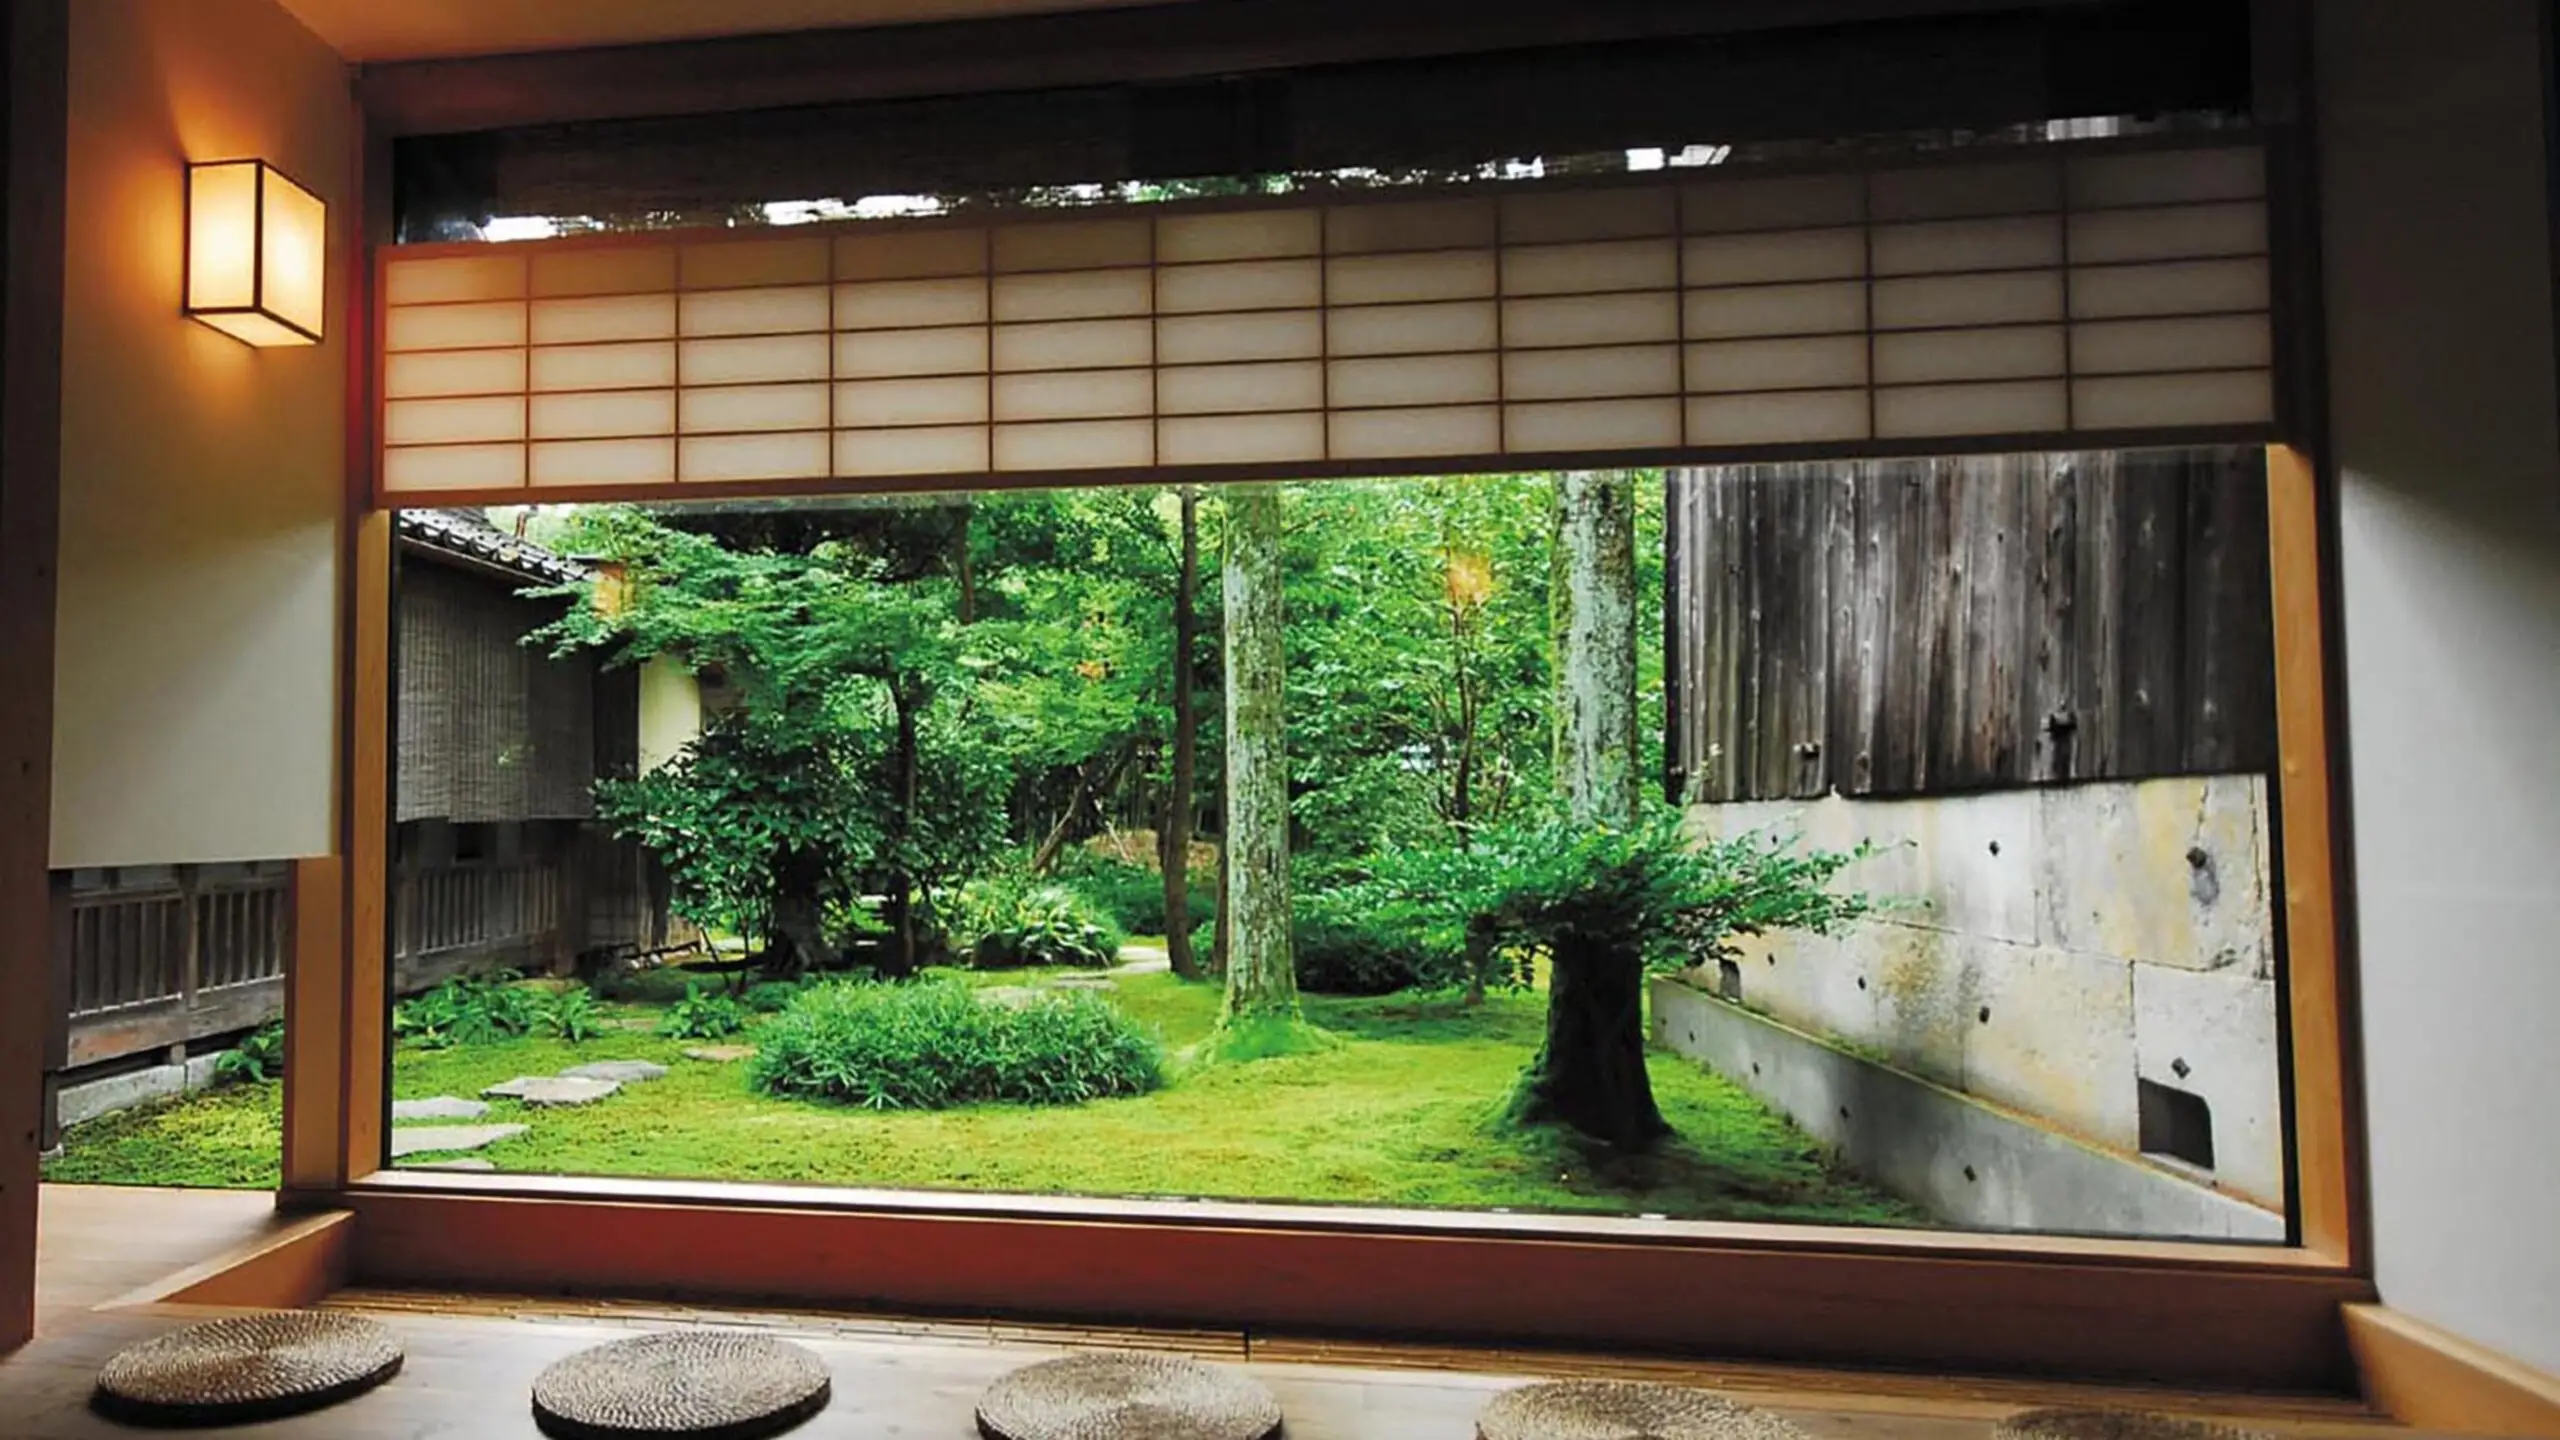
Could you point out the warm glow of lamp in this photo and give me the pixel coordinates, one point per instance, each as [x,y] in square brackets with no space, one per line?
[256,253]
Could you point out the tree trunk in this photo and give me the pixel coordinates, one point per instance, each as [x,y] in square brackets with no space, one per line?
[1262,980]
[902,880]
[1222,930]
[1590,1073]
[1173,837]
[1089,783]
[798,942]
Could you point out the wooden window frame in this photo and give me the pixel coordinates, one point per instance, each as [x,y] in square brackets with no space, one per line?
[2183,1312]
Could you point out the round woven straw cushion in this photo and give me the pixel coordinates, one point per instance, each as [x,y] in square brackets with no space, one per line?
[1126,1397]
[1624,1410]
[2117,1425]
[247,1367]
[705,1383]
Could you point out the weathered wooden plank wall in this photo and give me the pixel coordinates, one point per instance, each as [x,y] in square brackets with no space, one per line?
[1905,627]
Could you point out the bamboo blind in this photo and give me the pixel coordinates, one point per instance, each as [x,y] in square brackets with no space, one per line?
[2066,294]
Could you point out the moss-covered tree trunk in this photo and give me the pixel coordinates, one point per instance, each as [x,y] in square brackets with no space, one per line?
[1262,985]
[1173,837]
[1590,1073]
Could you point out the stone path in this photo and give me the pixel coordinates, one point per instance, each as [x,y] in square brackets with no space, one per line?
[720,1054]
[442,1107]
[620,1072]
[546,1090]
[427,1139]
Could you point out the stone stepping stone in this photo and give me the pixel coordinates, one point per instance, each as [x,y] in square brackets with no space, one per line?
[424,1139]
[1084,982]
[441,1107]
[621,1072]
[720,1054]
[470,1163]
[552,1090]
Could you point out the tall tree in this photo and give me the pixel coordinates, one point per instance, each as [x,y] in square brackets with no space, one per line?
[1173,836]
[1590,1072]
[1262,984]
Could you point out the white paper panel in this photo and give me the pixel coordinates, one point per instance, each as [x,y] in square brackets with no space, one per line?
[1579,374]
[2003,354]
[2150,402]
[1241,439]
[753,361]
[2173,288]
[453,467]
[755,407]
[752,457]
[617,317]
[1777,310]
[1411,329]
[788,310]
[1968,299]
[730,264]
[2165,176]
[1220,389]
[1240,285]
[1591,320]
[2114,235]
[1074,245]
[1380,279]
[2015,407]
[464,277]
[958,401]
[1074,394]
[1424,225]
[605,462]
[1791,202]
[621,270]
[1584,269]
[911,304]
[603,413]
[1764,256]
[605,367]
[1378,434]
[1592,425]
[1812,363]
[1209,339]
[1422,380]
[455,327]
[1075,344]
[1794,417]
[956,450]
[1938,247]
[1076,445]
[440,422]
[912,352]
[1530,218]
[911,254]
[2202,343]
[1943,191]
[1241,235]
[1072,295]
[453,372]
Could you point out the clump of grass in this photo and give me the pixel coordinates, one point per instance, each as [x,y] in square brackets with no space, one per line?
[934,1045]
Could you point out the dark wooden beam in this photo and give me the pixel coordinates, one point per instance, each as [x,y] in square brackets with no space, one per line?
[34,59]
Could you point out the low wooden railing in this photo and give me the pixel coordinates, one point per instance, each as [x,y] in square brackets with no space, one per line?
[160,956]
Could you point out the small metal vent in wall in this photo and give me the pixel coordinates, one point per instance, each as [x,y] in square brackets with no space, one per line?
[2176,1124]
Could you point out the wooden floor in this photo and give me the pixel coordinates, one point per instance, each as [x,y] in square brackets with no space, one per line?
[472,1359]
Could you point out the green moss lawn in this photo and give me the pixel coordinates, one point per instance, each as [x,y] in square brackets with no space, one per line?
[1395,1115]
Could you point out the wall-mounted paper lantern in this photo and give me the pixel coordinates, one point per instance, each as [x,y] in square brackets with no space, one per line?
[256,253]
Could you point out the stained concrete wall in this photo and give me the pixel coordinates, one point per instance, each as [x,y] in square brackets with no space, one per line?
[1965,1161]
[670,711]
[2436,236]
[2049,947]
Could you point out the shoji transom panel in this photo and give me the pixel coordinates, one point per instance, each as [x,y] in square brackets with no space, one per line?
[2061,294]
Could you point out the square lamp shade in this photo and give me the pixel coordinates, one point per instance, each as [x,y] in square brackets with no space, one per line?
[256,253]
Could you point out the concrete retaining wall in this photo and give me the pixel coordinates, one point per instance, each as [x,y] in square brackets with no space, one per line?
[1965,1161]
[89,1099]
[2055,946]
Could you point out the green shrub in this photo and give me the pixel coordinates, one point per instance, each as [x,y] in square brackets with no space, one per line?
[571,1014]
[257,1057]
[469,1010]
[1351,941]
[1132,896]
[1049,926]
[771,995]
[703,1015]
[933,1044]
